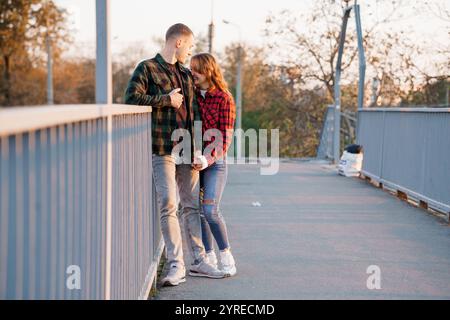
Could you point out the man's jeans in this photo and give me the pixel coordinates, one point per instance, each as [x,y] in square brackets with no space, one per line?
[167,175]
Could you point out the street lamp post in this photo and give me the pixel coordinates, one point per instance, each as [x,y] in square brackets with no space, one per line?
[338,71]
[211,30]
[48,43]
[238,92]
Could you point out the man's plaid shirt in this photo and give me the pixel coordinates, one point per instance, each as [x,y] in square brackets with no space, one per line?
[150,85]
[217,111]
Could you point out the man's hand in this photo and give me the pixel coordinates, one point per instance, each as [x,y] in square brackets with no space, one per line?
[176,98]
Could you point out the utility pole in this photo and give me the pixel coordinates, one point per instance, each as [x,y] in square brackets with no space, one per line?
[48,45]
[338,71]
[211,30]
[239,101]
[49,70]
[238,91]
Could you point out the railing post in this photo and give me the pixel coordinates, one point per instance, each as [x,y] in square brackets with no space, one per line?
[108,210]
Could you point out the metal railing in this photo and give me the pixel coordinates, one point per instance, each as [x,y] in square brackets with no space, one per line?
[408,150]
[77,215]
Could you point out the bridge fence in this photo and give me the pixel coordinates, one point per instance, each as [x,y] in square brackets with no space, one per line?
[78,218]
[408,150]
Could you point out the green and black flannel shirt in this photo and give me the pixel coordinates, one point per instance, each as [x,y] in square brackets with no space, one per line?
[150,85]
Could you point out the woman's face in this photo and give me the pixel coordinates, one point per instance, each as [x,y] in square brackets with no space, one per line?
[199,79]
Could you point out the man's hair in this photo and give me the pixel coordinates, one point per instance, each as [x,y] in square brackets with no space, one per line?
[178,29]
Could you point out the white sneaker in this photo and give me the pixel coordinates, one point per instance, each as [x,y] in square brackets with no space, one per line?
[204,269]
[175,276]
[211,259]
[228,264]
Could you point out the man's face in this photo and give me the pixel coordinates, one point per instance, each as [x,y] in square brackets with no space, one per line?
[184,48]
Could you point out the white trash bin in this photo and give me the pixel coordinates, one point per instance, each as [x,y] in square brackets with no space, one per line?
[350,164]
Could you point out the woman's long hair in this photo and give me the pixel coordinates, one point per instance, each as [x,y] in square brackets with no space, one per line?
[206,64]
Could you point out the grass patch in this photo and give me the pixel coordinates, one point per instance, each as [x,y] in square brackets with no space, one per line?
[154,289]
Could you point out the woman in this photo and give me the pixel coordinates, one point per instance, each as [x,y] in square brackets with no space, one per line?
[218,112]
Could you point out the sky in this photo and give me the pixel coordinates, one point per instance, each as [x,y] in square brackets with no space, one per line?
[139,21]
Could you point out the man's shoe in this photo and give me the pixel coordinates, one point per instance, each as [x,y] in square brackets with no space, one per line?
[176,275]
[203,269]
[212,259]
[228,264]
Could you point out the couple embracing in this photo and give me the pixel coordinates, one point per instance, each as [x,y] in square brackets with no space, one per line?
[179,97]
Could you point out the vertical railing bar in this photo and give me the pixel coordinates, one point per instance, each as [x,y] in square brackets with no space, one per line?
[11,212]
[126,178]
[96,211]
[38,213]
[123,231]
[32,214]
[108,209]
[61,198]
[115,206]
[82,207]
[44,213]
[65,137]
[87,213]
[129,216]
[103,180]
[142,201]
[136,186]
[78,202]
[133,233]
[26,218]
[70,225]
[53,207]
[19,232]
[4,194]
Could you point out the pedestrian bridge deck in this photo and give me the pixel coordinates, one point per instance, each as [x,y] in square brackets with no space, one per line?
[316,234]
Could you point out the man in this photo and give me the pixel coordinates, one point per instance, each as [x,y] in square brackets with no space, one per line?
[166,85]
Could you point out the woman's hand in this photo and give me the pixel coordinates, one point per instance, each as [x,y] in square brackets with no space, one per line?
[200,163]
[197,167]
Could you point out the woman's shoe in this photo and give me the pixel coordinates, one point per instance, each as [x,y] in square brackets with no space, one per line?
[211,258]
[228,264]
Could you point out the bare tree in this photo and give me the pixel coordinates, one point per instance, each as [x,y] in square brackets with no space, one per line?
[24,27]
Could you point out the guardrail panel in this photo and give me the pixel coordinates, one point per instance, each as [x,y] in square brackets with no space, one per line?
[132,251]
[371,137]
[414,151]
[436,149]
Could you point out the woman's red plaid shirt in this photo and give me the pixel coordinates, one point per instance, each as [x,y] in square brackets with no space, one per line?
[217,111]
